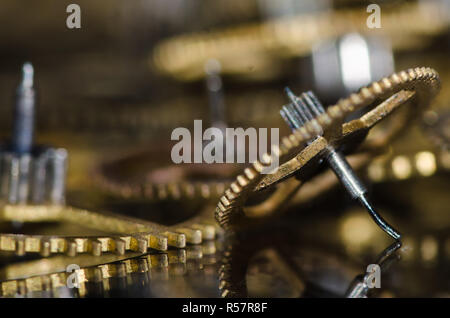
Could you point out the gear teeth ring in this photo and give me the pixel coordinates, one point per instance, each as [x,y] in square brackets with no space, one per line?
[422,83]
[164,266]
[144,235]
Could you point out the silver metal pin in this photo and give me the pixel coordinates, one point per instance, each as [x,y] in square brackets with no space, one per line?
[305,106]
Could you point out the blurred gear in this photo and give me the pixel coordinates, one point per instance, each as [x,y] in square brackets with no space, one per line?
[141,177]
[417,85]
[254,50]
[154,266]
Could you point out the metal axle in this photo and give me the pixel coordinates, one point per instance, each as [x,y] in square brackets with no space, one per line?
[306,108]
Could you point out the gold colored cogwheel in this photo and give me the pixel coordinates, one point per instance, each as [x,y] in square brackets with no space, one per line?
[50,274]
[123,233]
[253,50]
[415,87]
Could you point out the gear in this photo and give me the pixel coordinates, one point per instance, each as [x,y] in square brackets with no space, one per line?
[132,234]
[254,50]
[416,86]
[22,279]
[156,182]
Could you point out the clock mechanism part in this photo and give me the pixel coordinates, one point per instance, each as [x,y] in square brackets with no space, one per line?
[304,109]
[414,87]
[256,51]
[24,279]
[155,180]
[309,277]
[126,234]
[30,173]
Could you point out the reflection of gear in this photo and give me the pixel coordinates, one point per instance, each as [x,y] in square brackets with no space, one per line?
[237,259]
[156,265]
[250,49]
[417,86]
[145,234]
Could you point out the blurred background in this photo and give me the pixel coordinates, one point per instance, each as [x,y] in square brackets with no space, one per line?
[112,91]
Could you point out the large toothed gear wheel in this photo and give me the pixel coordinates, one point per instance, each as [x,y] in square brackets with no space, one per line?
[299,155]
[124,233]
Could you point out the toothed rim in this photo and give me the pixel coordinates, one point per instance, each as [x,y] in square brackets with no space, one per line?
[424,81]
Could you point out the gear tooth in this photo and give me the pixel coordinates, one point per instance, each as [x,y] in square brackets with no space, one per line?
[286,143]
[189,190]
[205,190]
[224,200]
[311,128]
[174,191]
[386,83]
[335,112]
[96,247]
[158,242]
[242,180]
[193,236]
[235,187]
[208,230]
[403,76]
[294,140]
[120,246]
[346,104]
[220,208]
[395,78]
[20,246]
[139,243]
[376,88]
[356,100]
[266,158]
[44,248]
[230,194]
[258,166]
[366,94]
[71,247]
[249,173]
[175,239]
[305,134]
[324,120]
[412,74]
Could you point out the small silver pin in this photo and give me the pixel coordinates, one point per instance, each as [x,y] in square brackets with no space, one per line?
[297,114]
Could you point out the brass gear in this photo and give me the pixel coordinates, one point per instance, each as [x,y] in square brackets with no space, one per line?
[129,234]
[417,86]
[253,50]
